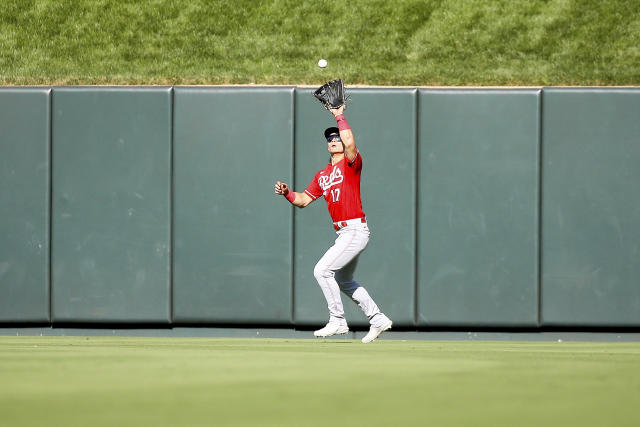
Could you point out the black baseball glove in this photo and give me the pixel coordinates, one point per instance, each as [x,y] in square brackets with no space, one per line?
[331,94]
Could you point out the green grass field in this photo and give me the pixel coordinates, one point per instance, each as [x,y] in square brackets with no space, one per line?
[373,42]
[267,382]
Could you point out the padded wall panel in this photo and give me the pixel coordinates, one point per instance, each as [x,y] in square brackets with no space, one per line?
[591,207]
[233,243]
[478,207]
[24,204]
[384,126]
[111,204]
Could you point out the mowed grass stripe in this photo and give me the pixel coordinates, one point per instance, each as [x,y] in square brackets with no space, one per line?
[184,381]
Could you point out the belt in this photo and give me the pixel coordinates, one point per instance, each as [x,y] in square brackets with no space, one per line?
[342,224]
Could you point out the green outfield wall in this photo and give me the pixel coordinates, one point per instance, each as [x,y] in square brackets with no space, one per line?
[478,207]
[25,165]
[513,208]
[110,217]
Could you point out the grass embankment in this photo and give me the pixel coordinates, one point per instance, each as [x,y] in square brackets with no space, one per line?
[175,381]
[403,42]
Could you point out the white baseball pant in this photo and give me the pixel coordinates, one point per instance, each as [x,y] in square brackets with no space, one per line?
[334,273]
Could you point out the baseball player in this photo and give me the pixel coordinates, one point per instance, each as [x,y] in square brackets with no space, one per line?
[339,184]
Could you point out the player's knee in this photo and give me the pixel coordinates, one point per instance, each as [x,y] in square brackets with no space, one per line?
[348,286]
[321,271]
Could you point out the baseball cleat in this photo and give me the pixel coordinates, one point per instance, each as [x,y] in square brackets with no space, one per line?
[375,331]
[332,328]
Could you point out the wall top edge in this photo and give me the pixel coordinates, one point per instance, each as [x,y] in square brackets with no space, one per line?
[348,86]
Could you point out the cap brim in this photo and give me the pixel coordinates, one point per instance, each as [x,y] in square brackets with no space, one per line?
[331,131]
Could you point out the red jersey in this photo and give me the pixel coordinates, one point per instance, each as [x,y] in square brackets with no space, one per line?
[340,186]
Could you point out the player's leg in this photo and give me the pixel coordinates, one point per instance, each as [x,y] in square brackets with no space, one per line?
[379,322]
[344,277]
[348,245]
[360,296]
[331,292]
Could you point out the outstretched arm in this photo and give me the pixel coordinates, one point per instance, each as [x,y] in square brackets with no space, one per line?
[346,135]
[300,200]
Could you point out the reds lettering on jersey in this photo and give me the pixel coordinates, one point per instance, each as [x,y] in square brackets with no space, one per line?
[340,186]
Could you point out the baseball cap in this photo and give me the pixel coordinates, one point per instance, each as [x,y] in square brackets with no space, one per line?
[331,131]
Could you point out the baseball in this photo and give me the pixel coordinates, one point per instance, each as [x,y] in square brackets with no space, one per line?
[322,63]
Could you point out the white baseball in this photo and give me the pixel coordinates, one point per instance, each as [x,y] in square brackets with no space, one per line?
[322,63]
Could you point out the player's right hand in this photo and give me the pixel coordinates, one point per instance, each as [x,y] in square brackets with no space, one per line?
[281,188]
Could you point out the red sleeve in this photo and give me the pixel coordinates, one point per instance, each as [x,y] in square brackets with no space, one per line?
[356,162]
[313,190]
